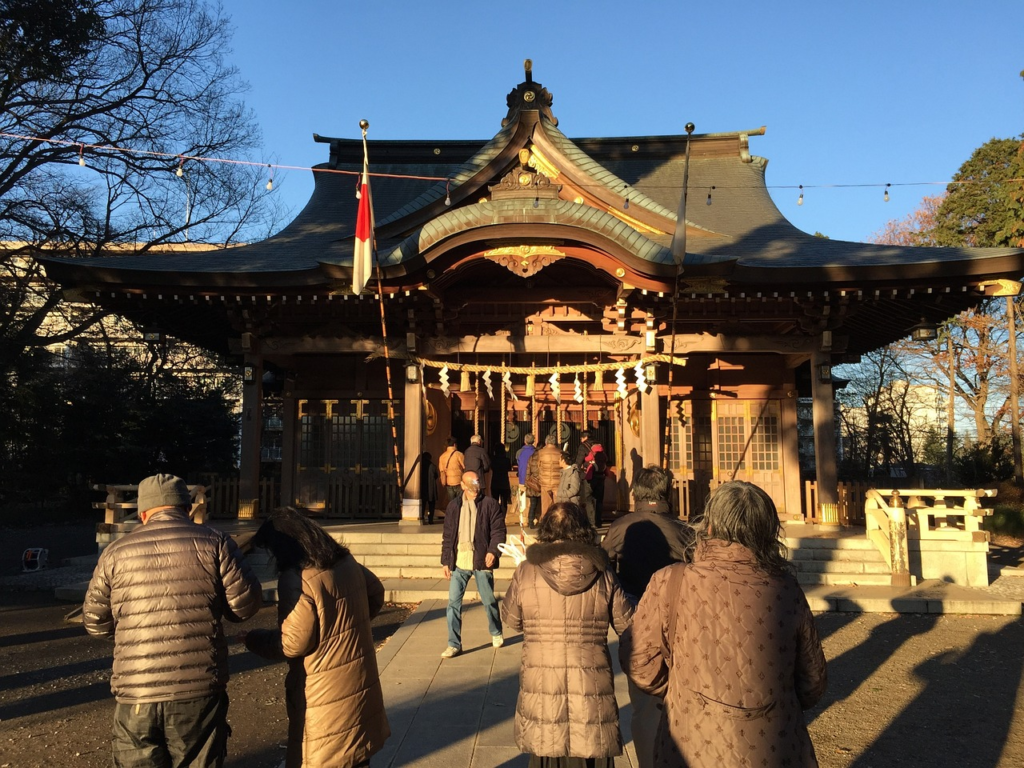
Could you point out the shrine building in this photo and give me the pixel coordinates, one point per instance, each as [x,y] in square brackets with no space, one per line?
[538,283]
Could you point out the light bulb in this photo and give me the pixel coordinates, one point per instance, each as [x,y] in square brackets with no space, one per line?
[536,202]
[447,199]
[885,197]
[179,173]
[270,185]
[625,205]
[800,200]
[709,198]
[81,161]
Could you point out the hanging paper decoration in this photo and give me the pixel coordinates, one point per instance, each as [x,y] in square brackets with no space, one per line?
[577,389]
[443,378]
[599,379]
[620,378]
[464,381]
[506,379]
[487,383]
[641,380]
[529,385]
[556,389]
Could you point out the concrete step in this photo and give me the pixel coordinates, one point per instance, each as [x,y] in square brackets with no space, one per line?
[827,542]
[850,579]
[430,548]
[372,561]
[433,572]
[848,567]
[836,555]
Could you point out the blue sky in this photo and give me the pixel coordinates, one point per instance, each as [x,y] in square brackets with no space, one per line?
[869,92]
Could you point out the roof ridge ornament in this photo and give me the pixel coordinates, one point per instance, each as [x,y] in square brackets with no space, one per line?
[529,96]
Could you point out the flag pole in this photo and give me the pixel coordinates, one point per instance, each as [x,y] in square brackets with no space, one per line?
[679,256]
[364,125]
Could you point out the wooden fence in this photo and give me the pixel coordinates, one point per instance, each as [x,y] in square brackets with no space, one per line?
[850,507]
[223,502]
[363,495]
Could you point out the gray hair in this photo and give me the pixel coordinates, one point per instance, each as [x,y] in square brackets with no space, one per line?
[476,439]
[743,513]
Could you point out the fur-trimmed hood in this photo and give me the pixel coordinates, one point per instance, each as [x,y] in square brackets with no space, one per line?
[568,567]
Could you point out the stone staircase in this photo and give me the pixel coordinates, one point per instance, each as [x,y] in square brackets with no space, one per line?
[850,561]
[409,562]
[408,555]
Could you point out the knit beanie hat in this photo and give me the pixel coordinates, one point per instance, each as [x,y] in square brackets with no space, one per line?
[163,491]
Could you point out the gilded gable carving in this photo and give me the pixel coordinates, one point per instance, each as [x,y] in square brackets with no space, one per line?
[524,260]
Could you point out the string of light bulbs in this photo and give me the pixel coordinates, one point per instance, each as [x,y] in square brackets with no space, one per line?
[181,158]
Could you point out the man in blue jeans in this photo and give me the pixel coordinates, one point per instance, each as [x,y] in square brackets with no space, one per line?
[473,528]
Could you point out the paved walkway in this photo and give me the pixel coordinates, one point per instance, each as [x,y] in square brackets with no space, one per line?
[456,713]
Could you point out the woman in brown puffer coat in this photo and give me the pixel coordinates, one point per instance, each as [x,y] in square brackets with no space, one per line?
[729,642]
[563,599]
[326,599]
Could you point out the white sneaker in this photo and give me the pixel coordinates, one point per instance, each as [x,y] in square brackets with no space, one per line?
[450,653]
[497,641]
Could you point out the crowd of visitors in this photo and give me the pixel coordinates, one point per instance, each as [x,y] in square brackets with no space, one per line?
[716,637]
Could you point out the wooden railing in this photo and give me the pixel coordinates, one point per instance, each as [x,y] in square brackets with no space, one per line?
[224,501]
[895,516]
[849,508]
[122,503]
[886,523]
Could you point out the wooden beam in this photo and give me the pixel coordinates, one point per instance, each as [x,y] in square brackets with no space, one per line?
[782,345]
[504,344]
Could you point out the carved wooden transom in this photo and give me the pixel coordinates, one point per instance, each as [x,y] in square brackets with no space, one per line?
[524,260]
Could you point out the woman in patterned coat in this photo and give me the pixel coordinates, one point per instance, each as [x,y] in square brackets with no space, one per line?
[729,642]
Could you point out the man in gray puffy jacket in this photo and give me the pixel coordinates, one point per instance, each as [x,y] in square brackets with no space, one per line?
[161,593]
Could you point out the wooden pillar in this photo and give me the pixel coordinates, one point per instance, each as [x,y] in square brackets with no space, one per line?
[651,423]
[791,452]
[252,427]
[824,431]
[288,440]
[412,447]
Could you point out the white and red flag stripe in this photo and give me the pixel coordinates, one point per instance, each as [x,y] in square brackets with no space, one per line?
[362,254]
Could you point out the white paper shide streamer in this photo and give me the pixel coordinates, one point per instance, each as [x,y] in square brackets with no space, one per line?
[443,378]
[506,379]
[487,383]
[641,380]
[577,389]
[556,389]
[620,383]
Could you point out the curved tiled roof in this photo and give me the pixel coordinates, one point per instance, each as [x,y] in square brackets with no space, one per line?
[459,176]
[600,174]
[563,213]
